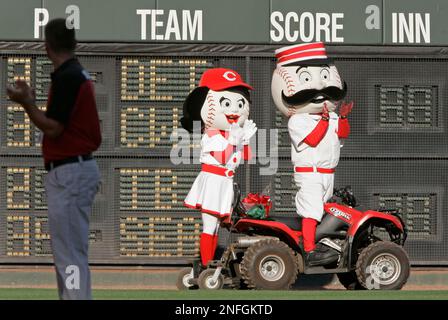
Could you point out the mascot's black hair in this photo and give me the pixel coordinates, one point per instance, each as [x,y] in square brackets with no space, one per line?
[311,62]
[194,102]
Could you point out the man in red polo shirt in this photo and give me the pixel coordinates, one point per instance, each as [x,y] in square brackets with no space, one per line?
[71,133]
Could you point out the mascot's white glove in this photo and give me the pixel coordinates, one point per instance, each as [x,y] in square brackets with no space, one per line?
[249,129]
[236,134]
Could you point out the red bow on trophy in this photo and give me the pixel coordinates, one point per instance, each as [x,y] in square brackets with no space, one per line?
[253,199]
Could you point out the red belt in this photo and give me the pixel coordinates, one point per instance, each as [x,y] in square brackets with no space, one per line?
[217,170]
[312,169]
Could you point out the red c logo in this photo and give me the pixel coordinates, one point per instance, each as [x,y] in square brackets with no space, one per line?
[229,75]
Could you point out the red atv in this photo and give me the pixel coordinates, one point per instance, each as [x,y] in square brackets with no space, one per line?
[268,253]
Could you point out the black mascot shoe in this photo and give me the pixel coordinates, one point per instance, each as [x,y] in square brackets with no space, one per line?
[321,255]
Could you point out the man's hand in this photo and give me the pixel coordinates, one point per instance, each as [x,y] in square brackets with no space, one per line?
[345,109]
[249,129]
[21,93]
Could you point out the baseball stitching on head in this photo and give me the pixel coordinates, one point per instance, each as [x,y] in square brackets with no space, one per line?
[338,77]
[211,108]
[289,81]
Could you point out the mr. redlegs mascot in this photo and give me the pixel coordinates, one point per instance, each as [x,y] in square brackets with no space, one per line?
[221,103]
[306,87]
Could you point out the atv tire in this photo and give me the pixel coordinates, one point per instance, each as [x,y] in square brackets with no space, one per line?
[269,264]
[183,280]
[383,265]
[350,281]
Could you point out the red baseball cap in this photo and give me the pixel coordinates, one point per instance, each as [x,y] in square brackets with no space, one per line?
[221,78]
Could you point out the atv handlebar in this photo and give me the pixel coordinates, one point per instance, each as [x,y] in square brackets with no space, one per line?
[346,195]
[238,208]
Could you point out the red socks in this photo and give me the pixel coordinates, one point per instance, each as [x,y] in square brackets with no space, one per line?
[215,244]
[309,234]
[207,247]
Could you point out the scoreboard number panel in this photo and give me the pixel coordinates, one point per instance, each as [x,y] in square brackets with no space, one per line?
[24,222]
[18,235]
[154,189]
[139,215]
[44,68]
[21,132]
[284,142]
[419,205]
[40,197]
[160,79]
[27,235]
[407,107]
[19,68]
[152,91]
[150,96]
[153,220]
[24,188]
[148,126]
[159,236]
[396,108]
[18,188]
[416,209]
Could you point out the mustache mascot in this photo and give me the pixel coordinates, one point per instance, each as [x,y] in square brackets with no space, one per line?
[221,104]
[306,87]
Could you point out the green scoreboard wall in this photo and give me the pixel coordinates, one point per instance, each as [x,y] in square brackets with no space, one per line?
[396,157]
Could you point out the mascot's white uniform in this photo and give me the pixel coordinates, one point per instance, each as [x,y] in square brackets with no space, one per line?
[306,87]
[221,103]
[314,189]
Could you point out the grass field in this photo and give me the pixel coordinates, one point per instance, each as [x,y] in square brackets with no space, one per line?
[50,294]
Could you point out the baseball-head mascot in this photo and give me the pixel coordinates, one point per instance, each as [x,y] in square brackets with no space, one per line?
[221,104]
[307,88]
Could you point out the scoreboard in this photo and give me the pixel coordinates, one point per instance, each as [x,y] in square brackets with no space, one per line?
[396,156]
[139,210]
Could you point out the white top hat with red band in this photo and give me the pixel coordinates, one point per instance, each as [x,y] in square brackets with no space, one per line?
[299,53]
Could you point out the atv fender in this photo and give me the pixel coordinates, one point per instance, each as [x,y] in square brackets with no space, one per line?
[370,214]
[274,228]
